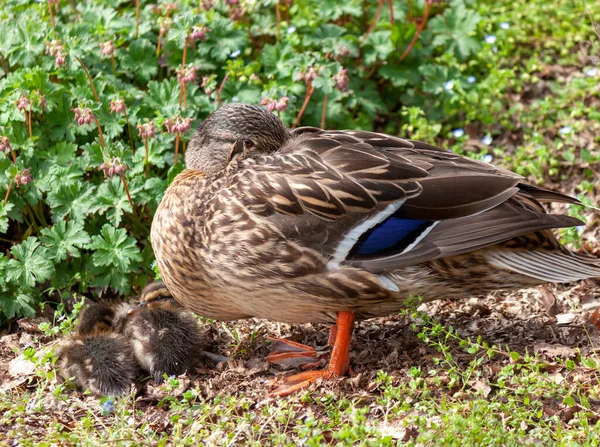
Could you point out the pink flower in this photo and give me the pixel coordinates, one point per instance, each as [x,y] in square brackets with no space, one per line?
[146,130]
[22,103]
[186,75]
[198,33]
[268,103]
[113,167]
[42,100]
[208,84]
[170,7]
[207,4]
[107,48]
[53,47]
[83,115]
[308,77]
[23,177]
[343,51]
[4,144]
[177,124]
[341,80]
[118,106]
[59,59]
[282,104]
[165,24]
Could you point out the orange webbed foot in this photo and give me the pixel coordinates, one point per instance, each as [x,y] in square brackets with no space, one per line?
[290,353]
[338,365]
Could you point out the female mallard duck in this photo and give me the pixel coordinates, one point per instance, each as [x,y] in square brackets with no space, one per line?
[97,358]
[165,337]
[310,225]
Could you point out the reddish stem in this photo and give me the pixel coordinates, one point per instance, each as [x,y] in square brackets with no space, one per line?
[160,34]
[75,9]
[324,112]
[128,195]
[184,97]
[14,156]
[8,191]
[309,91]
[51,14]
[419,30]
[374,23]
[184,58]
[176,148]
[89,78]
[100,132]
[278,14]
[221,88]
[391,6]
[147,151]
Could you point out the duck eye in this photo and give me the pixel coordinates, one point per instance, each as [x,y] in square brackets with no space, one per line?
[237,148]
[249,144]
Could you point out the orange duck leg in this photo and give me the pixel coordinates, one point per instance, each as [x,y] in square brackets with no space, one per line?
[338,364]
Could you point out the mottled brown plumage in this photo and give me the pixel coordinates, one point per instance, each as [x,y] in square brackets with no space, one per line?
[264,232]
[165,338]
[95,357]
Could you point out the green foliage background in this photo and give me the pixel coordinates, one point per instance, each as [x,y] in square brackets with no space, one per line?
[73,230]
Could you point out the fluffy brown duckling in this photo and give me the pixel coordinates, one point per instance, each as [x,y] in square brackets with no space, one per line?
[96,357]
[165,338]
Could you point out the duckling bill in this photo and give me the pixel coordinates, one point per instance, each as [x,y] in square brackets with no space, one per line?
[312,225]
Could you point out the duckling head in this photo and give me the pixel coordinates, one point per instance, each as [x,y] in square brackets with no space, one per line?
[234,130]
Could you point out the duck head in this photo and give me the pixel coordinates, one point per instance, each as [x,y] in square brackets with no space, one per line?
[232,130]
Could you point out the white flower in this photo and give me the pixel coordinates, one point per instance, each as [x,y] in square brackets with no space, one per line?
[449,85]
[235,99]
[471,79]
[591,72]
[236,53]
[505,25]
[487,140]
[291,29]
[490,38]
[487,158]
[458,132]
[565,130]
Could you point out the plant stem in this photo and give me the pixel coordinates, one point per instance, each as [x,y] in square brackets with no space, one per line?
[128,195]
[309,91]
[176,148]
[137,18]
[374,23]
[8,191]
[278,14]
[184,58]
[89,79]
[114,66]
[391,6]
[324,112]
[74,6]
[147,152]
[28,121]
[51,15]
[160,34]
[33,222]
[14,156]
[40,216]
[419,31]
[130,133]
[184,97]
[100,132]
[221,88]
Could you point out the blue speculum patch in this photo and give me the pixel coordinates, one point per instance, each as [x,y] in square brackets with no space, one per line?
[390,236]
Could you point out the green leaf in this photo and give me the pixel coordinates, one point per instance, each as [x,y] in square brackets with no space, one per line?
[30,264]
[111,197]
[141,60]
[515,356]
[454,29]
[4,209]
[114,248]
[64,239]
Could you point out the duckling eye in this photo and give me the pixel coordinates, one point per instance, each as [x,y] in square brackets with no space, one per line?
[249,144]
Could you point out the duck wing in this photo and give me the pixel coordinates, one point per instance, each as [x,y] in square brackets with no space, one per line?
[381,202]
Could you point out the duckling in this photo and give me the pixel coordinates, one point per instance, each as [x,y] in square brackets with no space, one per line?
[97,358]
[165,338]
